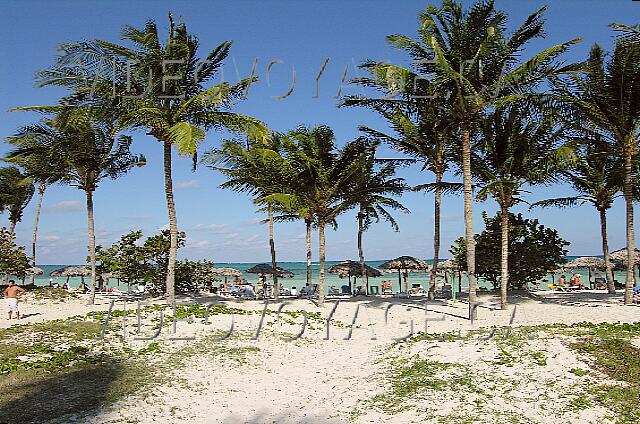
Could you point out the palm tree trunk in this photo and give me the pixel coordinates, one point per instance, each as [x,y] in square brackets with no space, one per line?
[468,220]
[173,225]
[611,287]
[322,258]
[363,269]
[92,246]
[631,244]
[34,238]
[308,225]
[504,265]
[12,228]
[436,236]
[272,246]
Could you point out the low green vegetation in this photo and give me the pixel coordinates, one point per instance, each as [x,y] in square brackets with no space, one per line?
[620,360]
[414,379]
[51,293]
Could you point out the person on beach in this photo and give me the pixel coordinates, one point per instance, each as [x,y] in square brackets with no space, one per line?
[12,293]
[293,291]
[576,282]
[562,281]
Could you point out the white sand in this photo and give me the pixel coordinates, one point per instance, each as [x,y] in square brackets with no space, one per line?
[313,380]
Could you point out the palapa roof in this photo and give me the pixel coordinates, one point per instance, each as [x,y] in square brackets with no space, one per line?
[621,255]
[448,264]
[72,271]
[586,262]
[226,272]
[266,269]
[563,269]
[352,268]
[34,271]
[406,263]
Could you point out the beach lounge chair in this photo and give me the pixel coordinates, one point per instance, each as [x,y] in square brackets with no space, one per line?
[416,288]
[345,289]
[333,291]
[445,292]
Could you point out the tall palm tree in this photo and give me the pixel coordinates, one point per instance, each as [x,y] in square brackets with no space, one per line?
[87,152]
[420,122]
[164,94]
[16,192]
[257,169]
[370,191]
[473,66]
[30,153]
[516,149]
[597,177]
[604,101]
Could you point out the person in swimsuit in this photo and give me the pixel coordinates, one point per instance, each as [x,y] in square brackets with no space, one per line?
[11,295]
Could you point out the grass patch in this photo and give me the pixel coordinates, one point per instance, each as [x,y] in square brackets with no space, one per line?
[413,380]
[51,293]
[620,360]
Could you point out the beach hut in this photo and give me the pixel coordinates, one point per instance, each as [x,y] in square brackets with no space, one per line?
[589,262]
[353,269]
[404,265]
[267,269]
[72,271]
[226,273]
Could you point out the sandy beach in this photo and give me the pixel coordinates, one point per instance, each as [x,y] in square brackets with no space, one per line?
[275,368]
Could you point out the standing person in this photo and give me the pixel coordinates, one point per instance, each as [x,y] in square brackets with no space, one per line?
[12,293]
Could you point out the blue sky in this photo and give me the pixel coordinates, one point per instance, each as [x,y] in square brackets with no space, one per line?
[222,225]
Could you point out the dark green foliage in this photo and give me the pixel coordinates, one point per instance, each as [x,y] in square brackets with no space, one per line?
[533,250]
[133,262]
[15,192]
[12,258]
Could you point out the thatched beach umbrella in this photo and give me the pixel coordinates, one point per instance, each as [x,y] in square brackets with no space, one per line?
[226,273]
[34,271]
[353,269]
[589,262]
[405,264]
[586,262]
[619,259]
[72,271]
[621,256]
[266,269]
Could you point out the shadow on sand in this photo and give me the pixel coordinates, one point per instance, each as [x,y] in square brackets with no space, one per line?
[28,397]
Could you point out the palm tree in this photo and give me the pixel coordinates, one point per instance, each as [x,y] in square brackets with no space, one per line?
[16,192]
[420,123]
[604,101]
[163,94]
[257,169]
[370,192]
[475,66]
[323,178]
[516,149]
[87,152]
[31,154]
[597,178]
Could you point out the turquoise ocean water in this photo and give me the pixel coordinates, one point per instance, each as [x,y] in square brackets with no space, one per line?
[299,279]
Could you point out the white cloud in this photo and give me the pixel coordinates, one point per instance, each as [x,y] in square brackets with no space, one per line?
[164,227]
[215,228]
[50,238]
[197,244]
[181,185]
[66,206]
[139,217]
